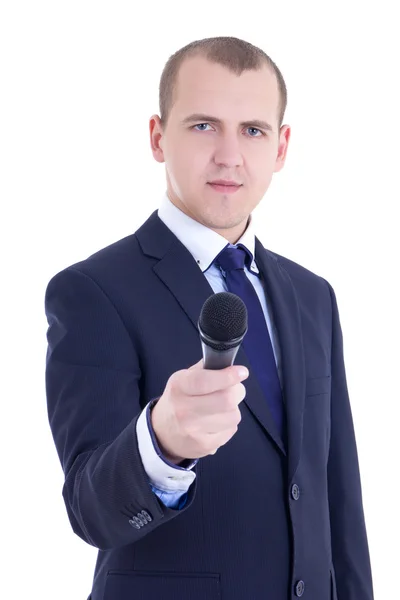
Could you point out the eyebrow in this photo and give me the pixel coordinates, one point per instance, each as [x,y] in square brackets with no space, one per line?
[209,119]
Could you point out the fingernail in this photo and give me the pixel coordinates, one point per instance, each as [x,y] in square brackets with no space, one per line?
[243,372]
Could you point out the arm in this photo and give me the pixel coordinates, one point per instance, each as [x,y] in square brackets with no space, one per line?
[348,532]
[92,389]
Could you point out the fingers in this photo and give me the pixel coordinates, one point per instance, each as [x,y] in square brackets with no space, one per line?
[200,382]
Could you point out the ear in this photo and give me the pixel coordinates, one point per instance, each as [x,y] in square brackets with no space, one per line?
[156,138]
[284,137]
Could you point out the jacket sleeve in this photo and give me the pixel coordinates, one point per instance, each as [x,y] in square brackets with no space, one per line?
[350,553]
[93,401]
[169,481]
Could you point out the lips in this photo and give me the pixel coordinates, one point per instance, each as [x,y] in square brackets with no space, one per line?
[225,183]
[225,188]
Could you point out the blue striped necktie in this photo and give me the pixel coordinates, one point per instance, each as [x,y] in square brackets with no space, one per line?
[257,342]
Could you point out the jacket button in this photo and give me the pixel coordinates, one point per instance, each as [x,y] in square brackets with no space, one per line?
[142,517]
[300,588]
[135,522]
[295,491]
[146,515]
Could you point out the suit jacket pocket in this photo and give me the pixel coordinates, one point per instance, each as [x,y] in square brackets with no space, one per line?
[132,585]
[318,385]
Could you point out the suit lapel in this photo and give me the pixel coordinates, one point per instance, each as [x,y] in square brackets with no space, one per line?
[286,315]
[193,289]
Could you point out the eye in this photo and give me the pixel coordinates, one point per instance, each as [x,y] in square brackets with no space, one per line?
[255,129]
[199,125]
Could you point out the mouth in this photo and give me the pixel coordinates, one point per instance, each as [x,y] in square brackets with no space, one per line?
[229,188]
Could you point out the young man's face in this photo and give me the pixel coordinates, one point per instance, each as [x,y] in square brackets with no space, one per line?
[200,151]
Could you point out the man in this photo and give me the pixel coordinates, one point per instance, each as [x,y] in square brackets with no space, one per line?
[198,483]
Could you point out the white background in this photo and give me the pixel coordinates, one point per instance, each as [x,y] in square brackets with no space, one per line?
[79,83]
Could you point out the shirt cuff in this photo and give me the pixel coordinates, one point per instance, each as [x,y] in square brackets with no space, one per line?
[163,474]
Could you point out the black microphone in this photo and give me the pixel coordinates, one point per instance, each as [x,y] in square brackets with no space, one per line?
[222,325]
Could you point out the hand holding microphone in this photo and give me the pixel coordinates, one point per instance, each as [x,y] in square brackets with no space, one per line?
[198,411]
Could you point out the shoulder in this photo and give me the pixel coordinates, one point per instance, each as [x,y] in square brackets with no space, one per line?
[295,270]
[114,258]
[308,284]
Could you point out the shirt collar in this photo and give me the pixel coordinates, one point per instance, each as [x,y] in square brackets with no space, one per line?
[203,243]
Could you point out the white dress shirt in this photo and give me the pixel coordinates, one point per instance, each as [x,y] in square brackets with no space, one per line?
[172,481]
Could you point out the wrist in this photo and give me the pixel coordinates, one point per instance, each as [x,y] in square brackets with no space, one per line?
[154,414]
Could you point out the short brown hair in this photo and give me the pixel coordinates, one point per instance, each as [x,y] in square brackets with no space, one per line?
[235,54]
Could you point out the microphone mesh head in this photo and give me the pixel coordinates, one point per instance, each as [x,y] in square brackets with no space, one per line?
[223,317]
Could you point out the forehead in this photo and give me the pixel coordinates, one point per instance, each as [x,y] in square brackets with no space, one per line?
[203,86]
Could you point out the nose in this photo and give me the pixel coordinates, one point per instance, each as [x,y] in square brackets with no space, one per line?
[228,152]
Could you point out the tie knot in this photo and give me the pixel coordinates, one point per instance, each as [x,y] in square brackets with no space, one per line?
[231,259]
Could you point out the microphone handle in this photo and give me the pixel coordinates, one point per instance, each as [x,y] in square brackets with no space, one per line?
[218,359]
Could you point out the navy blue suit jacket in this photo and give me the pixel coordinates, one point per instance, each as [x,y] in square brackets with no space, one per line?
[261,521]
